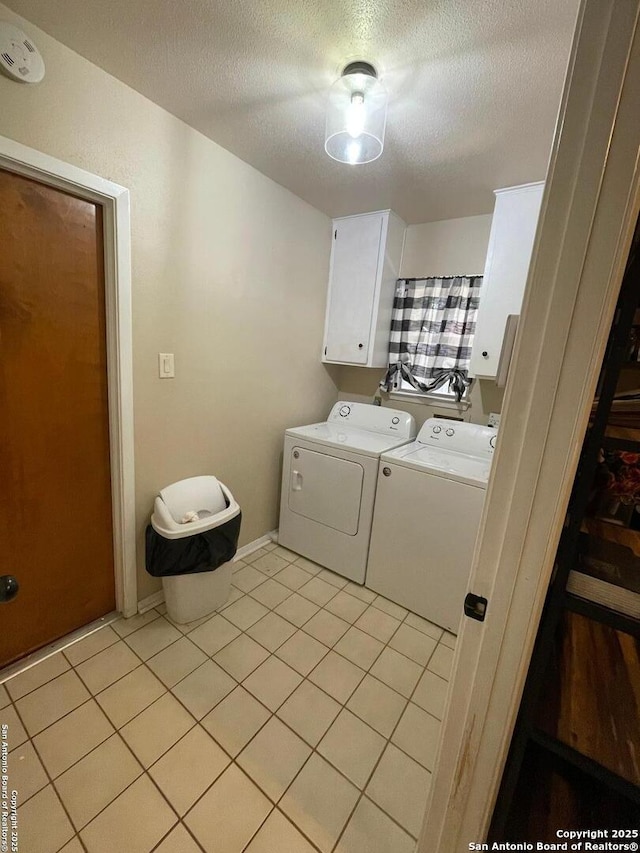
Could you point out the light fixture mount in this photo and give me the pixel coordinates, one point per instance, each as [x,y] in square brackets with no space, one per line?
[360,67]
[356,115]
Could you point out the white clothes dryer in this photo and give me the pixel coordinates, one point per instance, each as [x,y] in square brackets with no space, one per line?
[329,483]
[427,513]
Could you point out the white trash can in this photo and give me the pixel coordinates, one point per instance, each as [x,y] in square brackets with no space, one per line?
[187,509]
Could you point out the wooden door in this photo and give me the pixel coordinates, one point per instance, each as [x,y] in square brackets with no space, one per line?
[56,532]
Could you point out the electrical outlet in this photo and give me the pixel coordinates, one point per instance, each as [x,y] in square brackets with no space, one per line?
[494,420]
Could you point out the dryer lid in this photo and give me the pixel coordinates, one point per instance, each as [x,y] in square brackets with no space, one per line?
[346,437]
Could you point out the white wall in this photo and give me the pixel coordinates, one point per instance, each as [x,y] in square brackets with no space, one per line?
[448,247]
[229,273]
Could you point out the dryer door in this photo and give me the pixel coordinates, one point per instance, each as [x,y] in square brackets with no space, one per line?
[326,489]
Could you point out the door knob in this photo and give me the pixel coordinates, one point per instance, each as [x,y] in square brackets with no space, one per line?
[8,588]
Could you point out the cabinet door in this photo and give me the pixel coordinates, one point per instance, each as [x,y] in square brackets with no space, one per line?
[513,230]
[354,272]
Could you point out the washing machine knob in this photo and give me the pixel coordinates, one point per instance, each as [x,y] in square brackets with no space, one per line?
[436,430]
[386,471]
[492,441]
[344,411]
[395,420]
[450,432]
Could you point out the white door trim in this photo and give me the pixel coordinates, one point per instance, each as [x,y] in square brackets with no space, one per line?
[590,205]
[114,200]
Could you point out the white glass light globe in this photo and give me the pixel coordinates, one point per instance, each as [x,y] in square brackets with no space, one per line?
[356,118]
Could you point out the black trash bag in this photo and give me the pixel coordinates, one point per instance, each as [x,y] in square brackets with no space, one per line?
[202,552]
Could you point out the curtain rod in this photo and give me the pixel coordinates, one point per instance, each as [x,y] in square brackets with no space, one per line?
[422,277]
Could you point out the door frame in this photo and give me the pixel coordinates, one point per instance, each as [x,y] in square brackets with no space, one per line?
[589,209]
[114,200]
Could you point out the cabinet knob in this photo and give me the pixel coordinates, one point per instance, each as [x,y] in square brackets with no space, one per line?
[485,354]
[360,346]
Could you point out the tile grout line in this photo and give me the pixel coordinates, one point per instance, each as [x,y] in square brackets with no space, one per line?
[167,689]
[116,731]
[379,759]
[50,782]
[145,770]
[389,741]
[124,638]
[199,722]
[173,828]
[314,749]
[288,819]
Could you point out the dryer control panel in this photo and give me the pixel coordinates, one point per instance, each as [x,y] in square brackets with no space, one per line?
[463,437]
[374,418]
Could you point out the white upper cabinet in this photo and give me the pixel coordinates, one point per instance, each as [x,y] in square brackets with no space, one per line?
[365,264]
[513,230]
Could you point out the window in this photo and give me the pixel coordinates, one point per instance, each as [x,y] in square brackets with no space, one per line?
[443,394]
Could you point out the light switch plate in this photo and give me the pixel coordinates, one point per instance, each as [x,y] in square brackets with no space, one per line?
[494,420]
[166,366]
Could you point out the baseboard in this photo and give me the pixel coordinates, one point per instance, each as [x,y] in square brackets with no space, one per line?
[158,597]
[151,601]
[271,536]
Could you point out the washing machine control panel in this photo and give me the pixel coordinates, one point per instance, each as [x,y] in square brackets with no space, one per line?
[473,439]
[377,419]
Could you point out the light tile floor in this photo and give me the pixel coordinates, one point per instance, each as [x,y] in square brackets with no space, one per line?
[304,716]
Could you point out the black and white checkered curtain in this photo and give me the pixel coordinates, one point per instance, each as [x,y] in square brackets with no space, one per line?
[432,328]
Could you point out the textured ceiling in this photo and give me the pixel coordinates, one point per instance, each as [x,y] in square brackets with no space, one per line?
[474,86]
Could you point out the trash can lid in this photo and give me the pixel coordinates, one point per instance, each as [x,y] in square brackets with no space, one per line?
[195,494]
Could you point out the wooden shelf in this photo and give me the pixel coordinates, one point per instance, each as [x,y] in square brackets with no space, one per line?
[591,698]
[574,758]
[561,796]
[606,780]
[613,533]
[602,613]
[627,437]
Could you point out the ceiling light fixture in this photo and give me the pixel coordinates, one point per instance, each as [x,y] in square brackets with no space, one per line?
[356,115]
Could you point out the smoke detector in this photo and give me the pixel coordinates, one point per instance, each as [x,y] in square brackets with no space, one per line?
[20,59]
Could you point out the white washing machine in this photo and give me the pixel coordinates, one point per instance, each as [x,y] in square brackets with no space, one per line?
[427,512]
[329,483]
